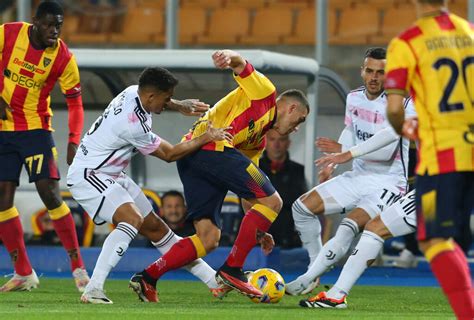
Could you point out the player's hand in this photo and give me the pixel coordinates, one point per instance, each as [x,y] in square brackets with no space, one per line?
[325,173]
[223,58]
[410,128]
[218,134]
[328,145]
[71,152]
[266,242]
[3,109]
[193,107]
[335,158]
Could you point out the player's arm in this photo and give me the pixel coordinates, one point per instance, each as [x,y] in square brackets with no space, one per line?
[188,107]
[255,85]
[169,153]
[399,70]
[70,84]
[3,104]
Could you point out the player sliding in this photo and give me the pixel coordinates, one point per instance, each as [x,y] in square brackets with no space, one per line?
[207,175]
[97,181]
[376,180]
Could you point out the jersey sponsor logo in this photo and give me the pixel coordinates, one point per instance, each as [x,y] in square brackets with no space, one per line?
[23,81]
[362,135]
[29,66]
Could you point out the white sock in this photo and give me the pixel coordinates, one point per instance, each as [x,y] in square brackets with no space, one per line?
[309,229]
[199,268]
[333,250]
[112,251]
[363,255]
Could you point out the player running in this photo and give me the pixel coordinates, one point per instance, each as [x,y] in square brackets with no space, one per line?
[434,60]
[207,175]
[376,180]
[32,60]
[97,181]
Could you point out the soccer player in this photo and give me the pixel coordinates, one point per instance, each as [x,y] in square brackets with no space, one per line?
[97,181]
[376,180]
[397,220]
[207,175]
[434,61]
[32,60]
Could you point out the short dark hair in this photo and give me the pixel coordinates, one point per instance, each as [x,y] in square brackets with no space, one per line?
[378,53]
[49,7]
[297,95]
[157,77]
[172,193]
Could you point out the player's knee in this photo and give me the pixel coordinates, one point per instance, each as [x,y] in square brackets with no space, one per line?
[136,220]
[378,227]
[372,226]
[7,192]
[311,202]
[49,194]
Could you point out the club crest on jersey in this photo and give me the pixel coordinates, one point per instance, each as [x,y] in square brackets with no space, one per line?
[46,62]
[469,135]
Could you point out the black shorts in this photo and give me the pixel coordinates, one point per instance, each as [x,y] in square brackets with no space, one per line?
[207,176]
[444,204]
[34,148]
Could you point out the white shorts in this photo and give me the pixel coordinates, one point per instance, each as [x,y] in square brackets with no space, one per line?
[372,193]
[101,194]
[400,218]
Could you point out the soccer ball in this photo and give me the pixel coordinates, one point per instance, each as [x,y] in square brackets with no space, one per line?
[270,282]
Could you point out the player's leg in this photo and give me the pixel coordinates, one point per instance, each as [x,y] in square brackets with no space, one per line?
[399,219]
[204,200]
[332,251]
[40,158]
[63,222]
[11,231]
[444,204]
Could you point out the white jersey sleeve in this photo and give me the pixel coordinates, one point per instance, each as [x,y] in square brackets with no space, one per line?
[142,138]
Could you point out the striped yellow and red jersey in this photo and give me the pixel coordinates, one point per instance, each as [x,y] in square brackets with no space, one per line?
[28,76]
[433,60]
[250,110]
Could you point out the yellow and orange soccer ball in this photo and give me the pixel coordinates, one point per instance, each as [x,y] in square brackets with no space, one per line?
[270,282]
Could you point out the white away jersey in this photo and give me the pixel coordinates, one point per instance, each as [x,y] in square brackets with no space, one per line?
[366,117]
[116,136]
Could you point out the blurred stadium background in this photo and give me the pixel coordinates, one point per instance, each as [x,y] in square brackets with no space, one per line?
[335,33]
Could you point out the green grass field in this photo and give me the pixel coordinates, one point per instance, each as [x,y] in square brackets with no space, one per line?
[57,299]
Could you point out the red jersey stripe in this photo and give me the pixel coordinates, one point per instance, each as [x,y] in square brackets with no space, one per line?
[411,33]
[444,22]
[18,98]
[256,110]
[247,70]
[446,161]
[11,32]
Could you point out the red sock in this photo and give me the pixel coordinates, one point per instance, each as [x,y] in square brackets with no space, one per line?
[180,254]
[66,230]
[247,237]
[11,233]
[452,272]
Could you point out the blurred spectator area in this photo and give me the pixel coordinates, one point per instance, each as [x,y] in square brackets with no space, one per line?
[237,22]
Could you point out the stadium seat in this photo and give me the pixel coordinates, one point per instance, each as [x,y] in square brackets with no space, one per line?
[70,26]
[91,28]
[227,26]
[290,4]
[357,26]
[305,32]
[142,26]
[458,7]
[203,4]
[246,4]
[270,26]
[155,4]
[395,20]
[192,24]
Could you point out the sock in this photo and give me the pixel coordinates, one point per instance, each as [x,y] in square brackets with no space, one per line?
[259,217]
[11,233]
[65,227]
[449,265]
[308,227]
[361,258]
[199,268]
[333,250]
[181,253]
[113,249]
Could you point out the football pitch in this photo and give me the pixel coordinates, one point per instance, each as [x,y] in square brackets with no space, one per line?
[58,299]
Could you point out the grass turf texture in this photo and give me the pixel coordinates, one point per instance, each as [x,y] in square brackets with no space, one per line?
[57,299]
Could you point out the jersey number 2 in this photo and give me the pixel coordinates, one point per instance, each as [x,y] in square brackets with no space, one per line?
[444,105]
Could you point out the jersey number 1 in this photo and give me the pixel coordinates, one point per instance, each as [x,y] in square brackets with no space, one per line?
[444,105]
